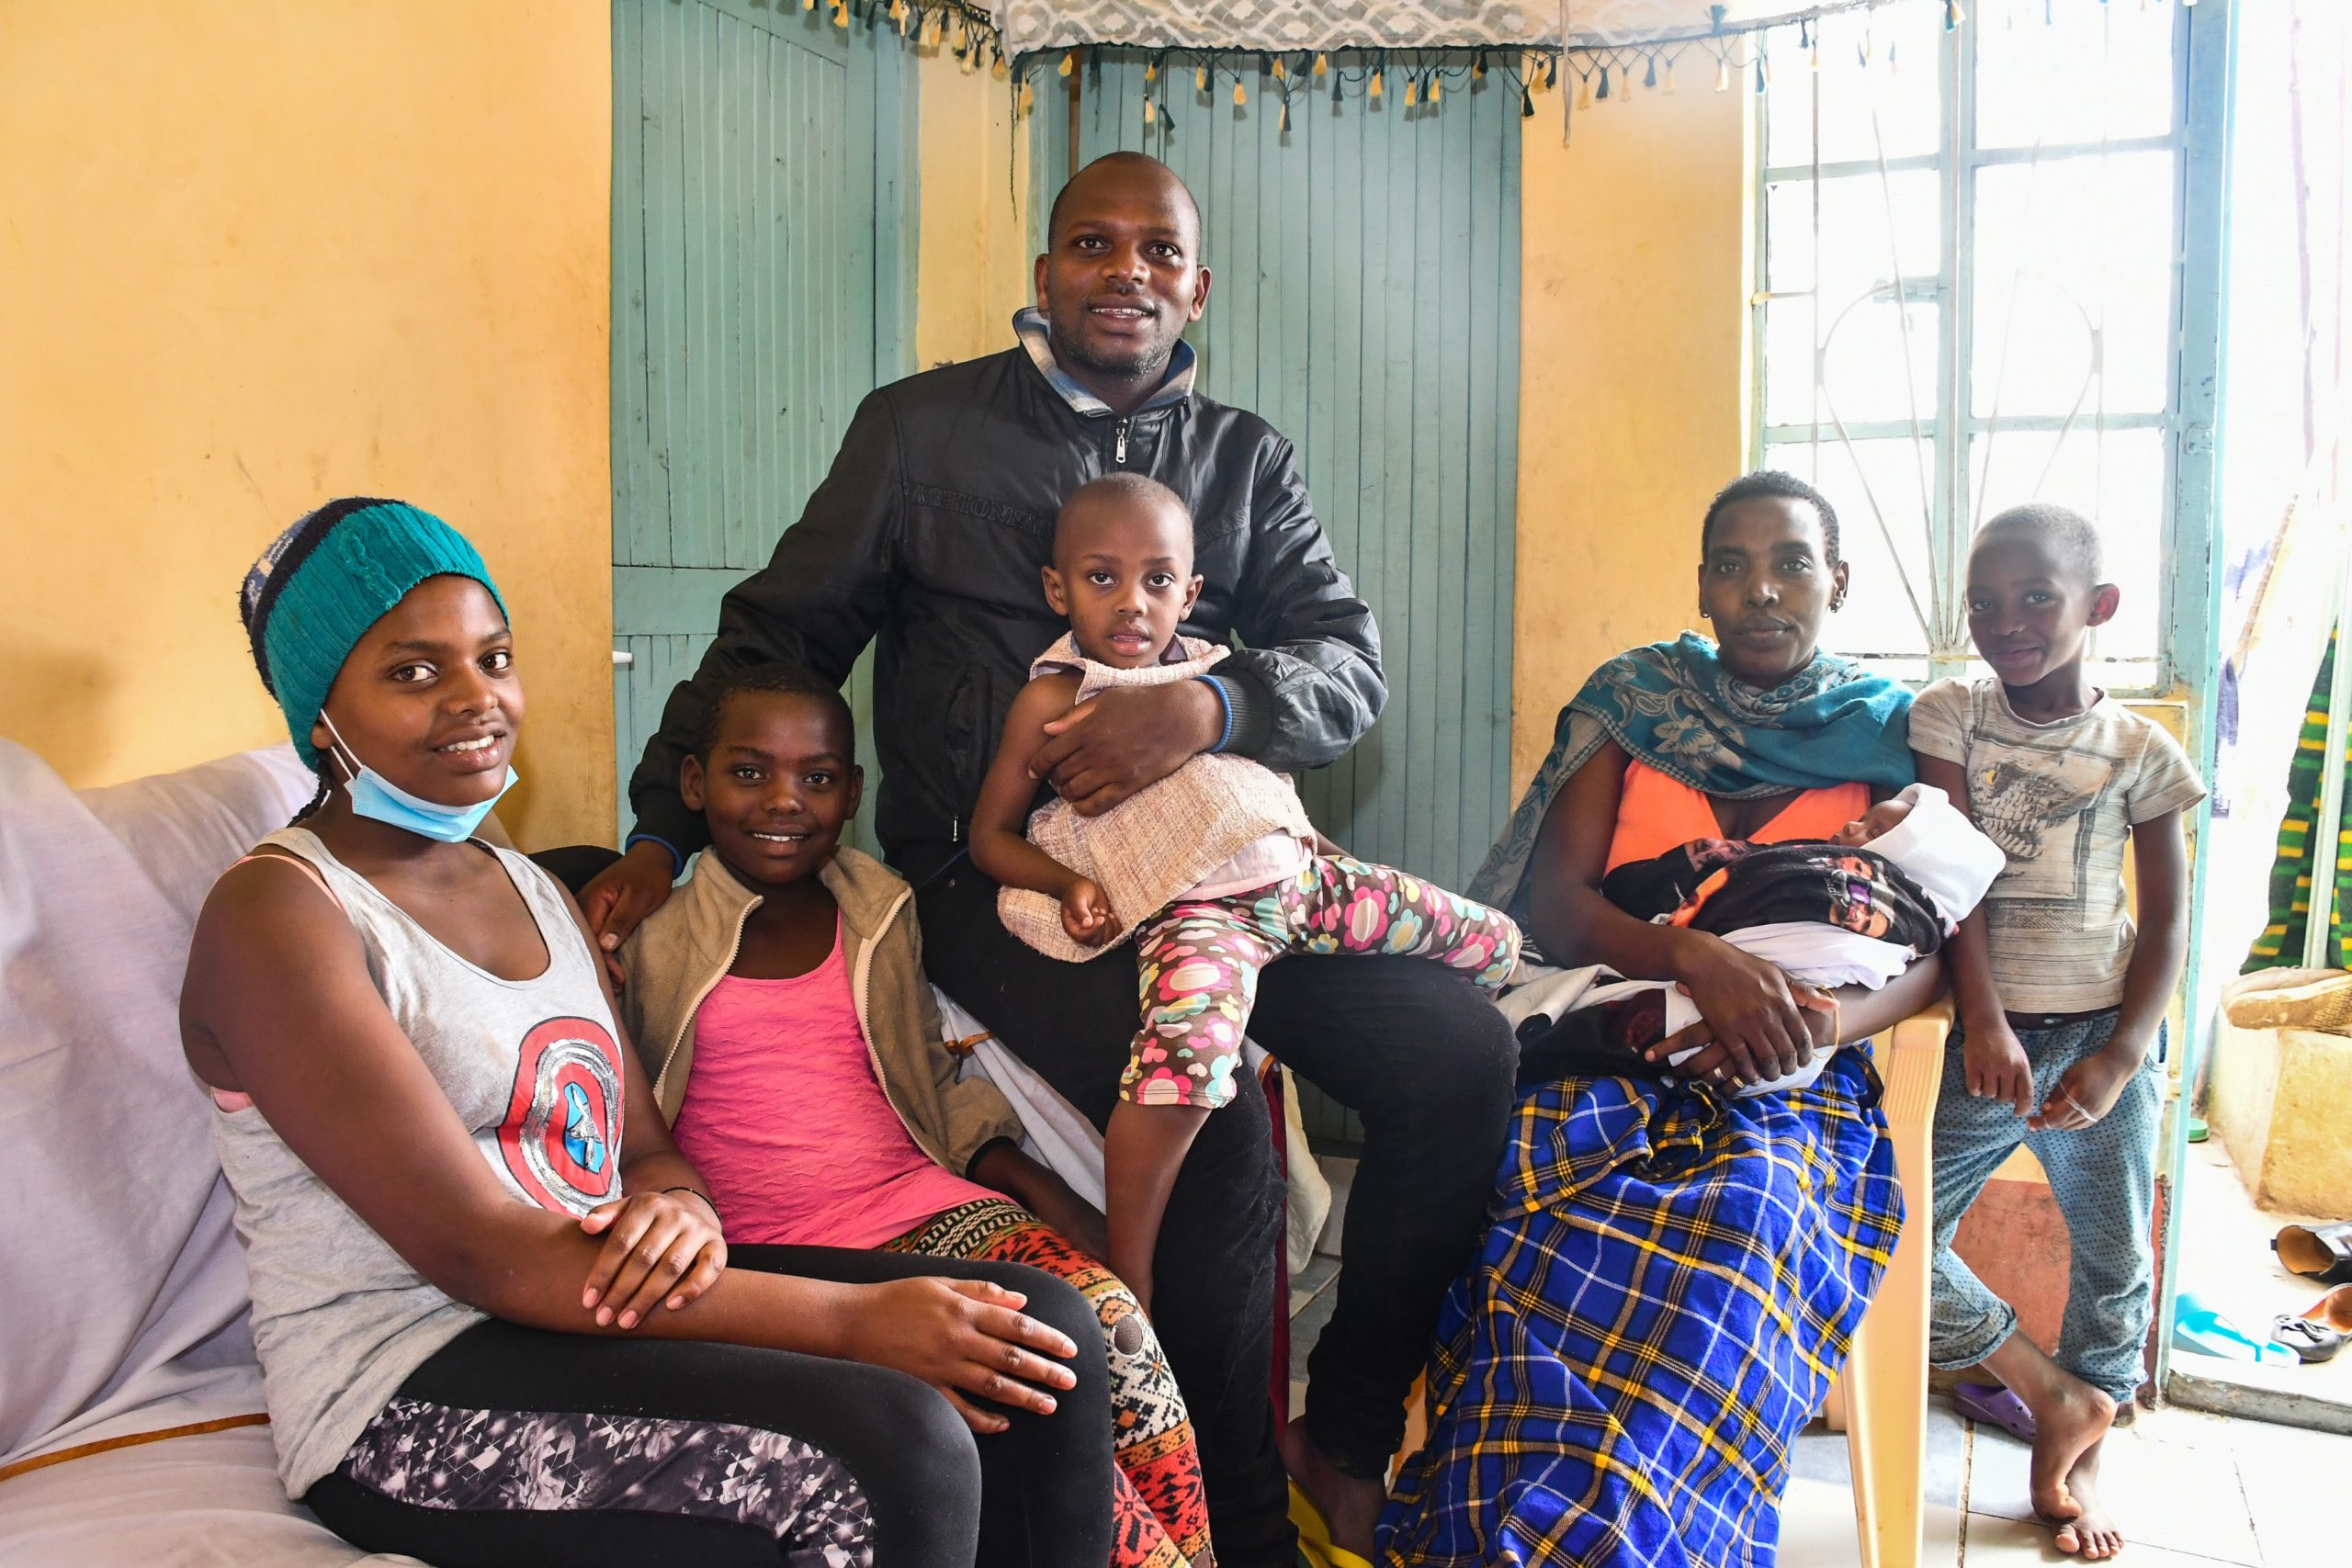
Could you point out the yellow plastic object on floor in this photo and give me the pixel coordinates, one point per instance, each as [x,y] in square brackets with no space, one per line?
[1315,1535]
[1882,1400]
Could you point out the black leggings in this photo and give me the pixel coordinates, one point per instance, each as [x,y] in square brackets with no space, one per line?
[514,1445]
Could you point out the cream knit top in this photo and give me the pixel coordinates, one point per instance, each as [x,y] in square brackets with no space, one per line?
[1164,840]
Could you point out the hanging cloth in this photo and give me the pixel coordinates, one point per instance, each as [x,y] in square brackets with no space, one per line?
[2280,945]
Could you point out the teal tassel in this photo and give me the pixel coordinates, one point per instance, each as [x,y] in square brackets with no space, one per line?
[1552,74]
[1651,79]
[1603,91]
[1286,114]
[1335,89]
[1526,105]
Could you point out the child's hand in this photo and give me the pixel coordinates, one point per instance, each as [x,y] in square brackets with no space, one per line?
[1822,1019]
[658,1246]
[2086,1091]
[1086,914]
[1996,1066]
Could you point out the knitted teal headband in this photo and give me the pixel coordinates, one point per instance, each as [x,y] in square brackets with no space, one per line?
[316,591]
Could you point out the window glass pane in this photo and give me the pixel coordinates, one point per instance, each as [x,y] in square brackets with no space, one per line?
[2086,73]
[1890,107]
[1865,227]
[1861,375]
[2064,247]
[1871,479]
[2120,481]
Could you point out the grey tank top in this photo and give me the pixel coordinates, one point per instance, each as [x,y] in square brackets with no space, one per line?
[532,1069]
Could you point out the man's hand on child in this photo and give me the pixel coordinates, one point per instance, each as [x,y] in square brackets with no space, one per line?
[2086,1091]
[1996,1066]
[618,900]
[1086,914]
[1124,739]
[964,1337]
[659,1247]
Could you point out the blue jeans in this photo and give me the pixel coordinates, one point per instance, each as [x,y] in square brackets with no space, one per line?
[2104,1178]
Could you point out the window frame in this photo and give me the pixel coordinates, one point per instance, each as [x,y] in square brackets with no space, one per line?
[2185,652]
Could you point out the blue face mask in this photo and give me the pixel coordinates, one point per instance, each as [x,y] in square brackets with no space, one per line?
[378,799]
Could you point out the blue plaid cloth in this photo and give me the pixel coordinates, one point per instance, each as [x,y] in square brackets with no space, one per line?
[1669,1284]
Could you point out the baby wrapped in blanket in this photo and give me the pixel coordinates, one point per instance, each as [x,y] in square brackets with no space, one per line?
[1855,910]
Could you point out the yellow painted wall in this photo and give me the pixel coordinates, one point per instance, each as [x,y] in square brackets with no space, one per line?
[974,255]
[1634,241]
[257,254]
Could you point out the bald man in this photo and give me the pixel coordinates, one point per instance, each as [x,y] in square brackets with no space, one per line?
[927,536]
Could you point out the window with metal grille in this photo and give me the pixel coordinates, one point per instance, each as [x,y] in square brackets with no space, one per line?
[1988,272]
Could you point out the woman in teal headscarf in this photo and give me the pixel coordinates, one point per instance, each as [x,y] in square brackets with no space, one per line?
[1674,1274]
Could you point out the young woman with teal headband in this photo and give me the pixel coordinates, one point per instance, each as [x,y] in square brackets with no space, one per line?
[496,1318]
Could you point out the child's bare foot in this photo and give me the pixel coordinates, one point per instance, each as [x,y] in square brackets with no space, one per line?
[2070,1417]
[1350,1504]
[2090,1533]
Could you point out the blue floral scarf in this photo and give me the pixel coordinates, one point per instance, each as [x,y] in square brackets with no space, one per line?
[1673,706]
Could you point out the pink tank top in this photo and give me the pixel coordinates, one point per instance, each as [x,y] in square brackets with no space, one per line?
[787,1122]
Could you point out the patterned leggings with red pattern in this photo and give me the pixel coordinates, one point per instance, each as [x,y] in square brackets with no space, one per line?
[1159,1515]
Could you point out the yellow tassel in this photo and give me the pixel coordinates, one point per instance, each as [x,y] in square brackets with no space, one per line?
[1376,85]
[1240,95]
[1069,61]
[1146,111]
[1437,89]
[1723,75]
[1668,86]
[898,14]
[1028,96]
[1584,92]
[1001,72]
[841,13]
[1412,92]
[1322,64]
[1279,72]
[1200,78]
[807,4]
[1151,71]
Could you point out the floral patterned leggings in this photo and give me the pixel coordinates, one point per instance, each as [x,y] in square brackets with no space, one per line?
[1199,961]
[1159,1515]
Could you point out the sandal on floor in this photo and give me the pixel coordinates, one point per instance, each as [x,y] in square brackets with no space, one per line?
[1994,1405]
[2333,1311]
[2316,1252]
[2195,1327]
[2309,1341]
[1315,1535]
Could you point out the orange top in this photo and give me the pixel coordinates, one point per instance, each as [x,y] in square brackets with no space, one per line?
[1657,814]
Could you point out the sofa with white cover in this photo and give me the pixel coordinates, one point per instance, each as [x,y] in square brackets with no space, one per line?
[129,1399]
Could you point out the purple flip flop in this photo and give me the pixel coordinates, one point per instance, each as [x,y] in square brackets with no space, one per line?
[1993,1403]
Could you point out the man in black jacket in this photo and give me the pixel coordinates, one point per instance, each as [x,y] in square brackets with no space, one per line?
[927,537]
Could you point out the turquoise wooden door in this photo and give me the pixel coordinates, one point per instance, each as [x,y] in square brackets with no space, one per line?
[762,248]
[1365,300]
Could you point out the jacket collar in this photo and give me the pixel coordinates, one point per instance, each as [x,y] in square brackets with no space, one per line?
[1029,323]
[865,890]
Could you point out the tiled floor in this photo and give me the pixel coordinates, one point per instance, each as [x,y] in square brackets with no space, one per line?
[2190,1490]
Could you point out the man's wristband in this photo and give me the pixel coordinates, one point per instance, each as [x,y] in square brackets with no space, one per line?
[1225,706]
[677,860]
[695,1191]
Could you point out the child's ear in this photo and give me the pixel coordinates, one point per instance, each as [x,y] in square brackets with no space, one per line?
[690,781]
[856,791]
[2105,599]
[1192,594]
[1056,595]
